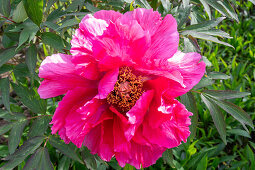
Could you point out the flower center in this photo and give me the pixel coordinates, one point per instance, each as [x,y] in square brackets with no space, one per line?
[127,90]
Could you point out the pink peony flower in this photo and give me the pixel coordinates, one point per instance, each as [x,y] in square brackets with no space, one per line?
[121,82]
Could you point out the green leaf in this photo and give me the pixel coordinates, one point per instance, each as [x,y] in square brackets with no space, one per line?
[30,98]
[183,14]
[217,117]
[206,25]
[64,148]
[4,151]
[64,163]
[207,8]
[204,82]
[40,160]
[53,40]
[91,8]
[5,7]
[252,1]
[250,155]
[5,90]
[238,113]
[28,33]
[202,165]
[26,149]
[226,94]
[205,37]
[239,132]
[19,14]
[15,134]
[68,23]
[166,5]
[34,9]
[39,126]
[218,75]
[168,157]
[189,101]
[5,128]
[229,9]
[6,55]
[89,159]
[5,68]
[215,32]
[143,4]
[31,58]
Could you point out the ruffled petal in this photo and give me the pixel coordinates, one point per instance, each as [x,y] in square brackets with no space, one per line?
[81,120]
[172,130]
[59,76]
[164,43]
[73,99]
[108,16]
[100,140]
[82,42]
[106,84]
[140,155]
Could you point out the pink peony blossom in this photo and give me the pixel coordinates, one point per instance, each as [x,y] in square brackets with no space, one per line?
[121,82]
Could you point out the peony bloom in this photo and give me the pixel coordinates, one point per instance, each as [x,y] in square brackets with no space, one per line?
[121,82]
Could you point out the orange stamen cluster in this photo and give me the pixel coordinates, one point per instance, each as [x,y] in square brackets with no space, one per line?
[127,90]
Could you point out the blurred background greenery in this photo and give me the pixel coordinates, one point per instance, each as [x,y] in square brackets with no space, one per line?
[222,132]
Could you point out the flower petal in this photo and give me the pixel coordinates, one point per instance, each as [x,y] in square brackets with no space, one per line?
[169,132]
[73,98]
[81,120]
[106,84]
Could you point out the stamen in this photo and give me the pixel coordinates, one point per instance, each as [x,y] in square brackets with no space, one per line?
[127,90]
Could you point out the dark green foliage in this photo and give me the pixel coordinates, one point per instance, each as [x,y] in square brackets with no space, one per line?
[222,133]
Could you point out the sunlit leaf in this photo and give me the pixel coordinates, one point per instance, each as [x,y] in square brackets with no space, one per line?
[217,117]
[34,9]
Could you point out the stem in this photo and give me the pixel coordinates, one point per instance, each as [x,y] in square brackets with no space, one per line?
[46,142]
[9,19]
[196,91]
[37,116]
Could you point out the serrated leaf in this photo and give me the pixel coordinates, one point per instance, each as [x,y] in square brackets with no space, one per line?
[183,15]
[30,98]
[238,113]
[26,149]
[217,117]
[64,148]
[34,9]
[19,14]
[31,58]
[189,101]
[229,9]
[89,159]
[15,134]
[53,40]
[28,33]
[206,25]
[40,160]
[226,94]
[6,55]
[5,128]
[39,126]
[5,90]
[5,7]
[205,37]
